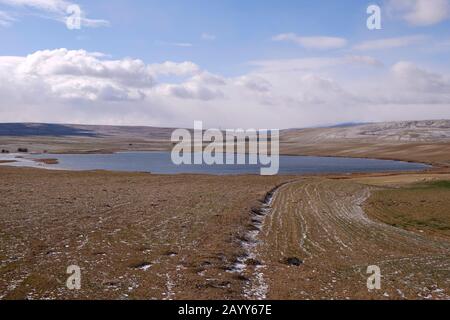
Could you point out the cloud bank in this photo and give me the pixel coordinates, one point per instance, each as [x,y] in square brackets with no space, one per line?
[76,86]
[420,12]
[319,42]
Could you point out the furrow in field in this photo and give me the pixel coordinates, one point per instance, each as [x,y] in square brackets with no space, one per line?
[320,222]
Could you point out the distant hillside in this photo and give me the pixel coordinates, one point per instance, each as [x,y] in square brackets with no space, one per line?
[407,131]
[430,130]
[38,129]
[73,130]
[421,141]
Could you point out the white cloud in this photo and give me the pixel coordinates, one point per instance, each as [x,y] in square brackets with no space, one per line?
[55,9]
[254,83]
[202,85]
[181,44]
[79,63]
[93,23]
[320,43]
[47,5]
[416,79]
[77,74]
[315,63]
[6,19]
[208,36]
[364,60]
[390,43]
[175,44]
[82,87]
[420,12]
[190,90]
[169,68]
[206,77]
[409,85]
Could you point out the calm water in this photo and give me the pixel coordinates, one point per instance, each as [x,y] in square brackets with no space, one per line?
[160,163]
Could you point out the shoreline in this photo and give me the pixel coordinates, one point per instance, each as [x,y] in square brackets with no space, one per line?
[284,154]
[20,160]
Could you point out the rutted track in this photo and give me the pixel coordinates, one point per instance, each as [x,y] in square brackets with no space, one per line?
[321,223]
[247,264]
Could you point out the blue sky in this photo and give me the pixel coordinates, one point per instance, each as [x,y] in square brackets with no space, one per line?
[243,30]
[240,42]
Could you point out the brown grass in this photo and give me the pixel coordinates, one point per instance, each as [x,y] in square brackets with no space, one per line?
[114,224]
[320,222]
[420,207]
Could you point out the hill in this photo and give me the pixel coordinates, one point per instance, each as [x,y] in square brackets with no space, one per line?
[421,141]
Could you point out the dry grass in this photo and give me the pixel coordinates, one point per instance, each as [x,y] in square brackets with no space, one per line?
[321,223]
[420,207]
[184,229]
[142,236]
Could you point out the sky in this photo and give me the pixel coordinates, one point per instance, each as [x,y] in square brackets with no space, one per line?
[229,63]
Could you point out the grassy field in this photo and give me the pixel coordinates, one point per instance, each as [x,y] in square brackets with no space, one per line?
[321,223]
[420,207]
[135,236]
[143,236]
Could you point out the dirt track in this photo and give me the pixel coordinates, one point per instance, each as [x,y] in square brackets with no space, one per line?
[320,222]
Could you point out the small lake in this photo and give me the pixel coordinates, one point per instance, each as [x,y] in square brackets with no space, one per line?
[160,163]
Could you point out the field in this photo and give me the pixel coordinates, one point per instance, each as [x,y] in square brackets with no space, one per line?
[320,222]
[140,236]
[135,236]
[420,207]
[144,236]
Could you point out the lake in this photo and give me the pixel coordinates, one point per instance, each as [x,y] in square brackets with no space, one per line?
[160,163]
